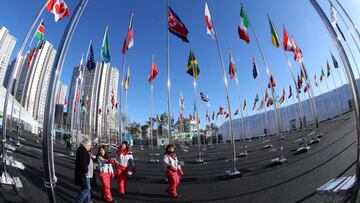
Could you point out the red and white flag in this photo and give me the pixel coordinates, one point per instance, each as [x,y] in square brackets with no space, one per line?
[58,8]
[129,40]
[288,45]
[209,25]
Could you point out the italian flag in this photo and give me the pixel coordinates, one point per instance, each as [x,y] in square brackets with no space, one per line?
[243,26]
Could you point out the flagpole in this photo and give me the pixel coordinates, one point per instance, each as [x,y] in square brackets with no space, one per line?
[337,93]
[264,106]
[347,26]
[78,111]
[296,86]
[83,73]
[245,153]
[195,75]
[122,88]
[47,147]
[151,112]
[168,73]
[10,84]
[281,158]
[342,84]
[320,93]
[353,86]
[233,171]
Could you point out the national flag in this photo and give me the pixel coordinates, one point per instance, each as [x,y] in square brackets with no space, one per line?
[129,40]
[315,81]
[255,70]
[204,97]
[288,45]
[207,116]
[282,98]
[232,67]
[236,112]
[220,112]
[302,76]
[298,55]
[328,69]
[105,48]
[209,25]
[290,92]
[176,26]
[112,100]
[87,103]
[181,102]
[336,64]
[181,117]
[270,102]
[244,106]
[334,23]
[274,34]
[100,111]
[271,82]
[256,101]
[40,32]
[261,106]
[58,8]
[153,72]
[322,75]
[127,80]
[32,55]
[192,67]
[243,25]
[191,117]
[299,83]
[266,95]
[213,116]
[227,114]
[307,87]
[91,60]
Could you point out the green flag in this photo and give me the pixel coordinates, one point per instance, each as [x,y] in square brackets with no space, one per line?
[192,67]
[105,48]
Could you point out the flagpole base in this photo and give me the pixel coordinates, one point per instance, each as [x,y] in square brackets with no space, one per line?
[200,160]
[268,146]
[6,179]
[303,149]
[233,173]
[243,154]
[314,140]
[279,160]
[152,160]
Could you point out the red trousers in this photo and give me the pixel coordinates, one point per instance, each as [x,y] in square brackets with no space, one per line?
[122,173]
[173,182]
[105,180]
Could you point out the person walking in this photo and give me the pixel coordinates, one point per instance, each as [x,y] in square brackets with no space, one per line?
[172,170]
[68,143]
[124,165]
[84,169]
[106,172]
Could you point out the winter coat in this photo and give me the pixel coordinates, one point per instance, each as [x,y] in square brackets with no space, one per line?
[81,166]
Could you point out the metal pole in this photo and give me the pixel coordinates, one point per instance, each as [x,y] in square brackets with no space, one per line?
[241,113]
[295,84]
[233,171]
[337,93]
[281,157]
[200,160]
[10,84]
[351,21]
[353,86]
[106,126]
[168,73]
[48,156]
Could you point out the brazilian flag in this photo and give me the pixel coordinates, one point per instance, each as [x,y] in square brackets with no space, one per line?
[105,48]
[193,67]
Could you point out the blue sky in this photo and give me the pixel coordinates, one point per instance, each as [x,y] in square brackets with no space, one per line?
[150,37]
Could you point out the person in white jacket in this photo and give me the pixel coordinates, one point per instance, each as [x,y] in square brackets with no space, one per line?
[124,164]
[172,170]
[106,172]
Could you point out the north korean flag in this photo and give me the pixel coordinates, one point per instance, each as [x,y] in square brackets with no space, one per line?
[176,26]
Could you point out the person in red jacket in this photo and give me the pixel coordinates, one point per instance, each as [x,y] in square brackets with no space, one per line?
[106,172]
[172,170]
[124,165]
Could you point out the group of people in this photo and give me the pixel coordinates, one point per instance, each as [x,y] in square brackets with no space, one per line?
[86,164]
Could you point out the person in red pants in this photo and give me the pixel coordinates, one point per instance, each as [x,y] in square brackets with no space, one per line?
[172,170]
[124,165]
[106,172]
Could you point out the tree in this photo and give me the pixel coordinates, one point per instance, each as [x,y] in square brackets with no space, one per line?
[183,126]
[134,130]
